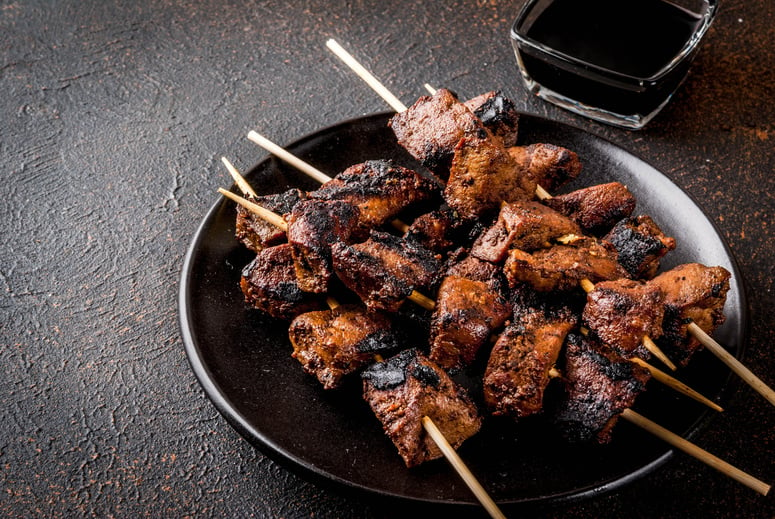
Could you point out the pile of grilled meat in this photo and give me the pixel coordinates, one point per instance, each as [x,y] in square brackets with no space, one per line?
[503,267]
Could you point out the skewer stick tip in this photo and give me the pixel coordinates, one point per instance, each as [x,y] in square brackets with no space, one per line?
[463,471]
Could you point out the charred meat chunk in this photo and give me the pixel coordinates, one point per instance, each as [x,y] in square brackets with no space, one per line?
[525,225]
[431,128]
[436,230]
[562,267]
[313,226]
[640,244]
[621,312]
[482,175]
[256,233]
[269,283]
[466,313]
[596,208]
[407,387]
[330,344]
[379,188]
[517,372]
[548,165]
[385,269]
[598,386]
[479,270]
[498,114]
[692,293]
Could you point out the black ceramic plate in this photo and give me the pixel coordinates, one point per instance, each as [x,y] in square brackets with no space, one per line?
[242,357]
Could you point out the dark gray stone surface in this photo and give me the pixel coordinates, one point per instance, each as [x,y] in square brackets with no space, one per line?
[113,117]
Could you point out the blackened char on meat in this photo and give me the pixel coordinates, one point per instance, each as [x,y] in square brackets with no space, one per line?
[313,227]
[269,283]
[526,225]
[385,269]
[498,114]
[254,232]
[595,208]
[380,190]
[548,165]
[598,386]
[692,293]
[407,387]
[517,372]
[621,312]
[640,245]
[331,344]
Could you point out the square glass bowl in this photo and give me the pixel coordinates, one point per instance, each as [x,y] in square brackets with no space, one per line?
[615,61]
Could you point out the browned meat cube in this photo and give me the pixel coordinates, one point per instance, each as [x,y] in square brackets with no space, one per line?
[517,372]
[598,387]
[385,269]
[693,292]
[466,313]
[498,114]
[330,344]
[640,245]
[256,233]
[621,312]
[435,231]
[431,128]
[546,164]
[562,267]
[479,270]
[269,284]
[525,225]
[313,227]
[482,175]
[596,208]
[407,387]
[379,188]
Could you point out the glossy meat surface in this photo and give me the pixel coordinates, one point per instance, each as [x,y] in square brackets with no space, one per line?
[562,267]
[526,225]
[693,293]
[330,344]
[548,165]
[595,208]
[466,314]
[621,312]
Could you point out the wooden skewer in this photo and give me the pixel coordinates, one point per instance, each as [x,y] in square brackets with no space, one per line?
[463,471]
[242,184]
[734,364]
[655,350]
[674,383]
[273,218]
[365,75]
[695,451]
[689,448]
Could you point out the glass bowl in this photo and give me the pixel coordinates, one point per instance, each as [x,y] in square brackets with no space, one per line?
[615,61]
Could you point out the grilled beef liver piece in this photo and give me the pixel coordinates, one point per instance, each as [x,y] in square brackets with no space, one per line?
[595,208]
[408,386]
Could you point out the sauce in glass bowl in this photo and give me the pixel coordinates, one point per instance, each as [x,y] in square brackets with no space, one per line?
[616,61]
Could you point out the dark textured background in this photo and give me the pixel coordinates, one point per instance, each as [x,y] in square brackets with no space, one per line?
[113,117]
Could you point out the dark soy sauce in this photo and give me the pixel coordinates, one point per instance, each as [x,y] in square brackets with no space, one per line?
[636,38]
